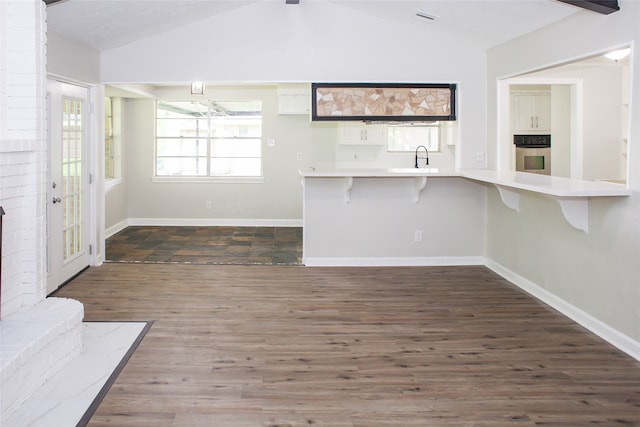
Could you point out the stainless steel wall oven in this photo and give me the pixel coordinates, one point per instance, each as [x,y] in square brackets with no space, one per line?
[533,153]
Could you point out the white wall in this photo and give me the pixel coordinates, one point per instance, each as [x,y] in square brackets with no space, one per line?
[277,200]
[312,42]
[71,60]
[351,156]
[602,124]
[378,225]
[116,217]
[595,273]
[561,130]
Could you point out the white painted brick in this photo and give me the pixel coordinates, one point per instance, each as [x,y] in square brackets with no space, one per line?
[10,204]
[29,113]
[27,44]
[22,134]
[22,33]
[23,9]
[23,159]
[24,101]
[12,181]
[27,55]
[25,90]
[11,170]
[23,124]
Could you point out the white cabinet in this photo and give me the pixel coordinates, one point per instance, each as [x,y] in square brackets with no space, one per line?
[361,135]
[294,101]
[531,112]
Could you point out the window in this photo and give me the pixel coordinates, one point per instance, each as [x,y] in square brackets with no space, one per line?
[407,137]
[112,139]
[403,102]
[209,138]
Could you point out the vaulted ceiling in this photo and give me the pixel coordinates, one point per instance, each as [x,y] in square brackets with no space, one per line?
[105,24]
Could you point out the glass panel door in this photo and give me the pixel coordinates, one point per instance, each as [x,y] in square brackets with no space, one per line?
[67,201]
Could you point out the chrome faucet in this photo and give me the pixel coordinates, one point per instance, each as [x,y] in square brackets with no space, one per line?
[426,159]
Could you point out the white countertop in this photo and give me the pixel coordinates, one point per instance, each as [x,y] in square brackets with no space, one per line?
[377,173]
[545,184]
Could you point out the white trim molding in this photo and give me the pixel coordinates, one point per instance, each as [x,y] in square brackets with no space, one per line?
[116,228]
[213,222]
[392,261]
[601,329]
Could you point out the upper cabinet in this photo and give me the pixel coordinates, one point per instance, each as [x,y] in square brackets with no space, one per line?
[386,102]
[531,112]
[294,100]
[361,134]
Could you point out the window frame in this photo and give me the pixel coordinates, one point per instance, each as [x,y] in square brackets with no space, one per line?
[112,141]
[209,140]
[436,124]
[348,94]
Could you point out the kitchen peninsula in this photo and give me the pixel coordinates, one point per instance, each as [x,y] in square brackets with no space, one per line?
[424,216]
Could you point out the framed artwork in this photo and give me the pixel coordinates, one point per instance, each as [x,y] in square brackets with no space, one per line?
[413,102]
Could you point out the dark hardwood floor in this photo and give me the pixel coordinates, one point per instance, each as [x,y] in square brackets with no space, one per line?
[242,346]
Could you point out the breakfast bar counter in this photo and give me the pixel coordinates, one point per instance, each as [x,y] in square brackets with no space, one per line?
[425,216]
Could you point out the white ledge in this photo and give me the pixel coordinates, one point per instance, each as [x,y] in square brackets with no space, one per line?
[419,174]
[572,195]
[545,184]
[377,173]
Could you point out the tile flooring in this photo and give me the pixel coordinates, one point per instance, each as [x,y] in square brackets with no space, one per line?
[207,245]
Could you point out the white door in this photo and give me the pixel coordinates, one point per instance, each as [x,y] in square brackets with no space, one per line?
[67,236]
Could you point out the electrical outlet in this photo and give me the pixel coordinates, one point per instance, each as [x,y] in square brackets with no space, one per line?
[299,156]
[208,204]
[479,156]
[271,142]
[417,236]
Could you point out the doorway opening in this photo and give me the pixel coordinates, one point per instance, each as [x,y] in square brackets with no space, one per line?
[588,107]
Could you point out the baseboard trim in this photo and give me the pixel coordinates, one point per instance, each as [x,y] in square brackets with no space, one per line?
[213,222]
[392,261]
[116,228]
[601,329]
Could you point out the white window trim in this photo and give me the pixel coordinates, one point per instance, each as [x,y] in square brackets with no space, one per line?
[208,179]
[441,143]
[111,183]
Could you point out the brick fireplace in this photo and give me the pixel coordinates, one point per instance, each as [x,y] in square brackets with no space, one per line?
[38,335]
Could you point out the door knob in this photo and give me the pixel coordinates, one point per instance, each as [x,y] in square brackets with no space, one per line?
[56,200]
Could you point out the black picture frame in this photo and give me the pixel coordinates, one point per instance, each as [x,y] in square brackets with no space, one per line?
[317,116]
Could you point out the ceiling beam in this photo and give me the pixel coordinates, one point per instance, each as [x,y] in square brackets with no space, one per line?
[601,6]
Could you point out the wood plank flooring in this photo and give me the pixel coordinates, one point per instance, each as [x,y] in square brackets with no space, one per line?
[245,346]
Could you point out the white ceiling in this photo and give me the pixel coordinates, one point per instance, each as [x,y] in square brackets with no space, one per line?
[105,24]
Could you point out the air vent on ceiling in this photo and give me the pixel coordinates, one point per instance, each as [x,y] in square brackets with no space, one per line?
[292,1]
[426,15]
